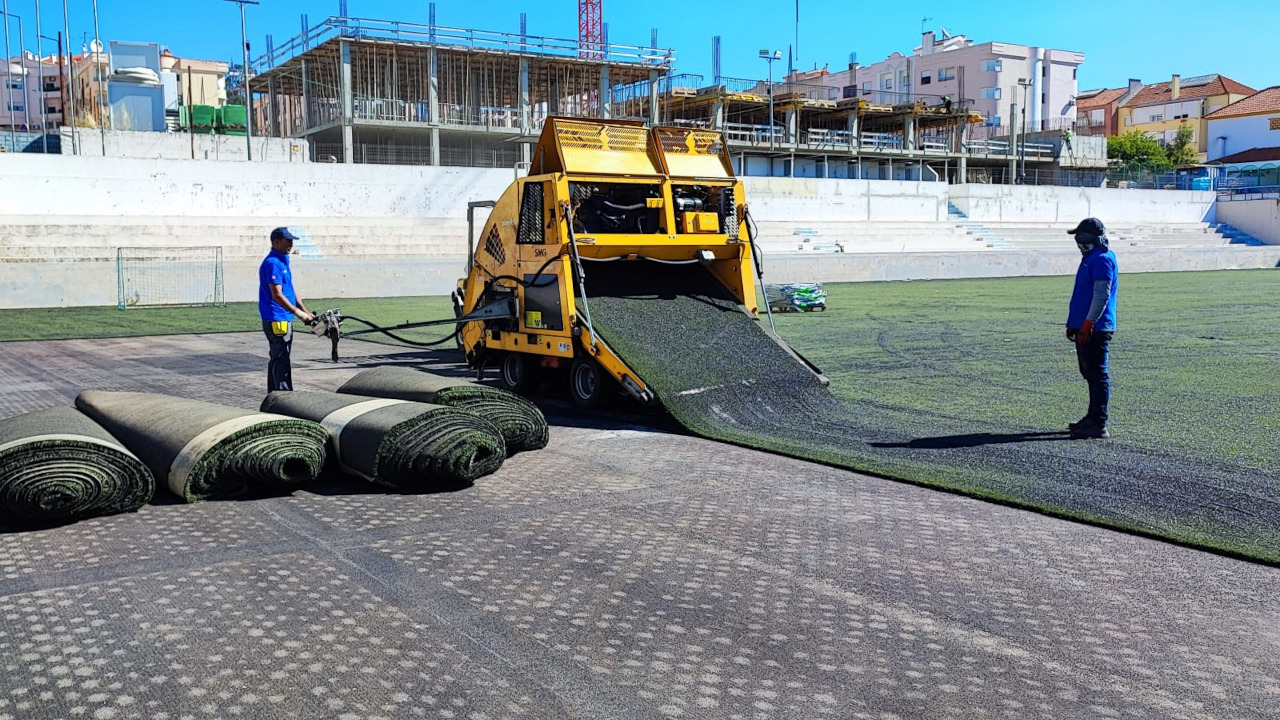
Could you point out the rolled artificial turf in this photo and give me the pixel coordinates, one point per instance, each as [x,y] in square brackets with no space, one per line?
[206,451]
[58,466]
[720,374]
[522,424]
[397,443]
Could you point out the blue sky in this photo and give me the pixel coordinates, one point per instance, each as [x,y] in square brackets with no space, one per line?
[1146,40]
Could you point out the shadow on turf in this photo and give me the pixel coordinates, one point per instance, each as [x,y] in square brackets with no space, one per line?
[949,442]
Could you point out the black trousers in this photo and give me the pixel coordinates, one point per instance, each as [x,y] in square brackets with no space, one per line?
[279,370]
[1092,358]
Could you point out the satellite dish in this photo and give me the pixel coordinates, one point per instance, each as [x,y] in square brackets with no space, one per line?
[945,35]
[96,46]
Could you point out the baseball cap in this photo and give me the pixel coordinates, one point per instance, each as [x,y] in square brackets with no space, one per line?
[1089,226]
[282,233]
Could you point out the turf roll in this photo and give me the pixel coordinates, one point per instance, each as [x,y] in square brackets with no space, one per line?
[58,466]
[206,451]
[522,424]
[405,445]
[722,375]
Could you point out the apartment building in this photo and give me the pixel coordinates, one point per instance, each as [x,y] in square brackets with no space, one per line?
[990,77]
[1245,136]
[1160,109]
[32,93]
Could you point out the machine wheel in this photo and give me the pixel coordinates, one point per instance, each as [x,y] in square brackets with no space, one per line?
[518,372]
[588,384]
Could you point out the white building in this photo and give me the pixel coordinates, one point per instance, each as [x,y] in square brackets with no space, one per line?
[30,86]
[1249,124]
[986,75]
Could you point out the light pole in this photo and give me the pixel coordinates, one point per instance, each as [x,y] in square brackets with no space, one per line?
[8,77]
[244,80]
[44,107]
[71,75]
[102,95]
[1022,123]
[769,56]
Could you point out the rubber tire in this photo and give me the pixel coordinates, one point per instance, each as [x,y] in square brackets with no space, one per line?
[589,386]
[517,373]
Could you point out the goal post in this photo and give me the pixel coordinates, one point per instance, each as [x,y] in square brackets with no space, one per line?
[154,276]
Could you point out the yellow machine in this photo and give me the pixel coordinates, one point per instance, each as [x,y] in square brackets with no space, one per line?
[597,189]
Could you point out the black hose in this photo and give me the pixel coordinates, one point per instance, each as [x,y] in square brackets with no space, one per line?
[397,338]
[526,283]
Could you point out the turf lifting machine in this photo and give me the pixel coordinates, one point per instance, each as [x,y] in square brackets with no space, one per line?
[597,191]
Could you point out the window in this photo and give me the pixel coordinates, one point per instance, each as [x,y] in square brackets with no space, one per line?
[15,84]
[1073,73]
[16,107]
[1044,98]
[926,78]
[866,88]
[1183,116]
[946,74]
[991,93]
[1044,70]
[1275,123]
[53,110]
[886,83]
[989,66]
[851,91]
[833,93]
[1157,117]
[993,121]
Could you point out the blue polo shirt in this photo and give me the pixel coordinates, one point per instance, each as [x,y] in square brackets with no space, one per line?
[275,271]
[1098,264]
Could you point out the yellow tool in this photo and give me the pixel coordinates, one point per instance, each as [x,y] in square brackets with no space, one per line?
[596,190]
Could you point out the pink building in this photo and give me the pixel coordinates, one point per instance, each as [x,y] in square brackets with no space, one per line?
[31,84]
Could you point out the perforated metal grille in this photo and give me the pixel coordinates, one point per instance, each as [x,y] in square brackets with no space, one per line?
[602,137]
[530,231]
[493,246]
[690,142]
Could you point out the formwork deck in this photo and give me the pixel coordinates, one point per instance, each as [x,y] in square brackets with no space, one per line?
[623,572]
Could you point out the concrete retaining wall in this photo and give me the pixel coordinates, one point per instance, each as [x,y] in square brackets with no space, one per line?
[1044,203]
[181,146]
[1259,218]
[827,200]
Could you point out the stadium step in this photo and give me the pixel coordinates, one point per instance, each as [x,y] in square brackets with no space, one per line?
[1236,236]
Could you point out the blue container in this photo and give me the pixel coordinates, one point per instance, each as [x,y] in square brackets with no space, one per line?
[1201,183]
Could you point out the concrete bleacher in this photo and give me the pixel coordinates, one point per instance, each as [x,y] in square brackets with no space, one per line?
[1144,235]
[870,236]
[25,238]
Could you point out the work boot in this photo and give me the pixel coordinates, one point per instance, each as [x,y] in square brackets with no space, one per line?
[1092,431]
[1083,422]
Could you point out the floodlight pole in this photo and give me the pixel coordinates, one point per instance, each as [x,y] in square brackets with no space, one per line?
[769,56]
[244,79]
[8,79]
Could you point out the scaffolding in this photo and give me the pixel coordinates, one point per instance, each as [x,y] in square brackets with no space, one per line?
[376,91]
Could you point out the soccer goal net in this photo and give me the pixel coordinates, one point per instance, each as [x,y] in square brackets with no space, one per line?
[149,277]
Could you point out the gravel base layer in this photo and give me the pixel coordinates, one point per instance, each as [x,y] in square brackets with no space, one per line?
[721,376]
[621,572]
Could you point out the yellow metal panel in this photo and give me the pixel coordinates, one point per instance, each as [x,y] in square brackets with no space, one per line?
[701,222]
[688,152]
[609,147]
[653,202]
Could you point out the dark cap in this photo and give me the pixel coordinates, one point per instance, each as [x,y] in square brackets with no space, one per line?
[282,233]
[1089,226]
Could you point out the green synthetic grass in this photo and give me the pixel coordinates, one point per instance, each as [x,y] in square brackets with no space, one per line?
[106,322]
[1193,364]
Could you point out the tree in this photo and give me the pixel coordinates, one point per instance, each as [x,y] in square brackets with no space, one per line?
[235,84]
[1181,152]
[1136,148]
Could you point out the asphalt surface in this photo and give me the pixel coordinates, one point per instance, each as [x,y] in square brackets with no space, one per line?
[622,572]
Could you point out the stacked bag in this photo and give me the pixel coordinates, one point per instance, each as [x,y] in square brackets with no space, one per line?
[799,297]
[400,428]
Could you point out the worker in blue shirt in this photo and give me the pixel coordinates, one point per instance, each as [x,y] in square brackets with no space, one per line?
[1091,322]
[278,305]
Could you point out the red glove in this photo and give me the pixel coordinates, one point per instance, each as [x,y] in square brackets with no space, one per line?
[1086,330]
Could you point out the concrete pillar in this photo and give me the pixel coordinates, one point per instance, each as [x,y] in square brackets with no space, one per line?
[435,146]
[604,92]
[962,135]
[793,125]
[526,106]
[655,116]
[273,119]
[1013,144]
[1035,108]
[307,120]
[433,91]
[909,133]
[348,107]
[854,141]
[717,115]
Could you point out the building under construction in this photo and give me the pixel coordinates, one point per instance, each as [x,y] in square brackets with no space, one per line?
[368,91]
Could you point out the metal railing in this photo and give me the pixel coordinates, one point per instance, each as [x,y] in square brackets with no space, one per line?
[370,29]
[1257,192]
